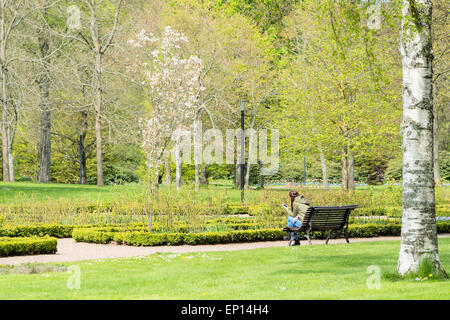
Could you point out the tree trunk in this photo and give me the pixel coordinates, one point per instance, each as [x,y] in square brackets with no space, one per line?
[437,176]
[238,175]
[344,171]
[204,175]
[83,133]
[179,162]
[167,169]
[44,88]
[197,177]
[418,237]
[247,175]
[98,119]
[12,177]
[326,186]
[5,123]
[351,172]
[261,176]
[235,181]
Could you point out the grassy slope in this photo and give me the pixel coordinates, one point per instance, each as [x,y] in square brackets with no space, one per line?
[306,272]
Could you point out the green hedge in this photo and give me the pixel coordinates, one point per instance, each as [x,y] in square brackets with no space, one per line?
[18,246]
[142,238]
[107,233]
[52,230]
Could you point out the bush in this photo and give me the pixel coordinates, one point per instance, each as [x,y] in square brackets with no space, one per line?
[19,246]
[142,238]
[53,230]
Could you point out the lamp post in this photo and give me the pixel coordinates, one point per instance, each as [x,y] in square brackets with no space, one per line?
[242,105]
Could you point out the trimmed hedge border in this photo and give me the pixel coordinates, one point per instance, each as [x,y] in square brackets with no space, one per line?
[65,231]
[60,231]
[52,230]
[19,246]
[142,238]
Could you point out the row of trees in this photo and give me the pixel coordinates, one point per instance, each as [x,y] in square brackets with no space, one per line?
[74,90]
[316,70]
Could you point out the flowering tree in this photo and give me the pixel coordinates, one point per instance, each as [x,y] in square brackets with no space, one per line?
[173,84]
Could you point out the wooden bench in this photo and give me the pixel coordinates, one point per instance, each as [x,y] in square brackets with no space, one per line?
[330,219]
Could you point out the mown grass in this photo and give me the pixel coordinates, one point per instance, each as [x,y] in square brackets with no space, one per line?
[305,272]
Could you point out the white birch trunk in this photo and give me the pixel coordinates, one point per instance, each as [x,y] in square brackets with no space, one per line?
[326,185]
[419,236]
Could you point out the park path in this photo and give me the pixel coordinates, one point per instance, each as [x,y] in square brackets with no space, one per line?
[69,250]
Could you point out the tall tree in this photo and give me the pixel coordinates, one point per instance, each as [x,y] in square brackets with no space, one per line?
[44,53]
[419,237]
[12,14]
[99,44]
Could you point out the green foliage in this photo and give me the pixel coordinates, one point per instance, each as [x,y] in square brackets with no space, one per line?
[394,169]
[56,231]
[444,165]
[142,238]
[18,246]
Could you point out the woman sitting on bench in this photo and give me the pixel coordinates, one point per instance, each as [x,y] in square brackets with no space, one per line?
[299,206]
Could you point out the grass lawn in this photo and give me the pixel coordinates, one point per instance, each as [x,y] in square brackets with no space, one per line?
[26,192]
[29,192]
[306,272]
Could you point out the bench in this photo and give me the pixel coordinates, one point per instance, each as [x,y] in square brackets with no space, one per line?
[330,219]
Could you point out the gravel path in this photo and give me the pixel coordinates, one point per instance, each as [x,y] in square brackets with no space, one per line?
[69,250]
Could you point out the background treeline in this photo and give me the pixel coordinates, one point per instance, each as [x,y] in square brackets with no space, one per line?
[318,71]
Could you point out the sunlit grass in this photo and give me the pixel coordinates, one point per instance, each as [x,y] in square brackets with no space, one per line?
[305,272]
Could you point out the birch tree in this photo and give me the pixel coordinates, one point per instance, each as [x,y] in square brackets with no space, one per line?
[419,243]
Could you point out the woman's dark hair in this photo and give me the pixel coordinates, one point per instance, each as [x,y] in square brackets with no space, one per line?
[293,195]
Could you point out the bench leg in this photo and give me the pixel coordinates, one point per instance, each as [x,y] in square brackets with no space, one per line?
[346,236]
[328,237]
[307,237]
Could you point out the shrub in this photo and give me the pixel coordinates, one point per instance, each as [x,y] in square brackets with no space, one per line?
[142,238]
[19,246]
[53,230]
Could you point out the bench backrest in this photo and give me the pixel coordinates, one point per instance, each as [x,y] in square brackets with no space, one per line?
[327,218]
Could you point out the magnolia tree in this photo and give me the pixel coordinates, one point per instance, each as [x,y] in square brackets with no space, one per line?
[173,84]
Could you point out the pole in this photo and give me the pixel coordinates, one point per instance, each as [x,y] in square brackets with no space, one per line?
[242,152]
